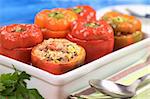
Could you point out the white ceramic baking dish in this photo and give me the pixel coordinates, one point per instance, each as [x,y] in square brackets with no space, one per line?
[60,86]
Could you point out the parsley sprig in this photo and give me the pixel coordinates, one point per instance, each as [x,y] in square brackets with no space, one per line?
[13,86]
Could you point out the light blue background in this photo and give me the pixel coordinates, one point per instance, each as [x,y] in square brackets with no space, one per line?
[23,11]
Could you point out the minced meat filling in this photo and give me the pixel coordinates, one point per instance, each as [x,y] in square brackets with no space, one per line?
[58,50]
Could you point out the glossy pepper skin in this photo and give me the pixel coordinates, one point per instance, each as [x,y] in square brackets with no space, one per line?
[96,37]
[56,22]
[17,40]
[20,36]
[125,40]
[84,12]
[127,29]
[20,54]
[122,22]
[58,67]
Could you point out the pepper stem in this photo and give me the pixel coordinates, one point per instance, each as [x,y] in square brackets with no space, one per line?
[77,10]
[18,29]
[57,15]
[93,25]
[119,19]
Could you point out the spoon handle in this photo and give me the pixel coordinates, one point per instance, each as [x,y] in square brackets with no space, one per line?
[144,80]
[140,81]
[145,77]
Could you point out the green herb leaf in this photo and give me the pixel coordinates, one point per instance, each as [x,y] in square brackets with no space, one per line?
[2,87]
[2,97]
[33,94]
[13,86]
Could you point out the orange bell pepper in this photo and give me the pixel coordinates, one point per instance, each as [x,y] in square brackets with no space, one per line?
[56,22]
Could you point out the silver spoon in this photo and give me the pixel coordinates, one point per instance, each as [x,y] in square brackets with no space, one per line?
[117,90]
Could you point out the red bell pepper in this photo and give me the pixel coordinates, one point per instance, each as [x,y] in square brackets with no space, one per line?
[17,40]
[95,36]
[20,36]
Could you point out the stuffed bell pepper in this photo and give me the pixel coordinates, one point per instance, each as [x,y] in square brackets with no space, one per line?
[55,23]
[57,56]
[127,28]
[96,37]
[17,41]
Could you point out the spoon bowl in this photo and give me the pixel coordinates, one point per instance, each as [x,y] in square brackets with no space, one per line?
[117,90]
[111,88]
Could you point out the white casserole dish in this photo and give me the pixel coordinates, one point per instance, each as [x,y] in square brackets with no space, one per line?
[60,86]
